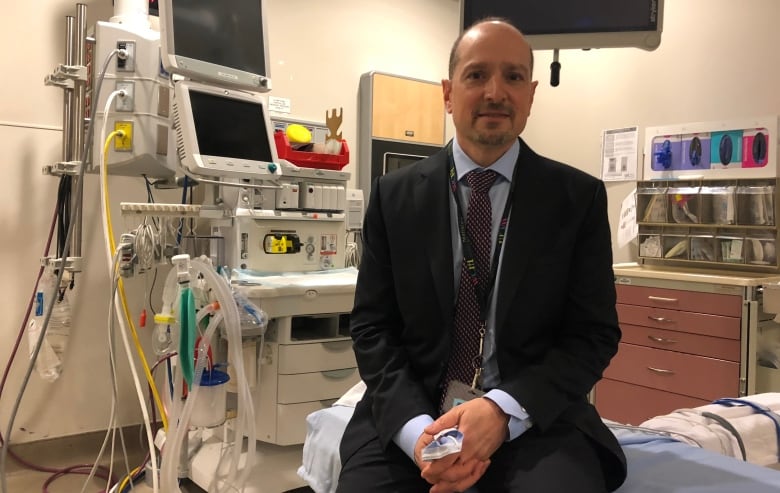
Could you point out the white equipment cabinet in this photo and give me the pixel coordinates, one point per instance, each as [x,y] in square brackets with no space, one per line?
[307,361]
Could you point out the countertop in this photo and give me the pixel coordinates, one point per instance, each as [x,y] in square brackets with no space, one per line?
[712,276]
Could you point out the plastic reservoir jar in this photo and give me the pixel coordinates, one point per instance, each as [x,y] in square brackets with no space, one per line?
[211,408]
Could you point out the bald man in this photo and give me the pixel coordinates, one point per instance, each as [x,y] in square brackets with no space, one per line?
[520,287]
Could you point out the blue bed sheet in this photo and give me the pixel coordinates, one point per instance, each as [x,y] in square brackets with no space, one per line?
[656,464]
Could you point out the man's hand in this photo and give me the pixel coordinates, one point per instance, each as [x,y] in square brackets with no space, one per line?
[483,424]
[448,474]
[484,428]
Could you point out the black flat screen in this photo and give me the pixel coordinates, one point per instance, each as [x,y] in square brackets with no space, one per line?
[535,17]
[227,127]
[223,32]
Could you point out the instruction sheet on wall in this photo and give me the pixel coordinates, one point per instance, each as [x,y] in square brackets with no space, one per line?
[619,149]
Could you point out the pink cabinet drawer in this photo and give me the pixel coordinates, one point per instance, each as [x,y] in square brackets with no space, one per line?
[696,323]
[632,404]
[683,342]
[677,299]
[685,374]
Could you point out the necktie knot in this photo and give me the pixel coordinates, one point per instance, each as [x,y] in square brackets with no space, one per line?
[481,181]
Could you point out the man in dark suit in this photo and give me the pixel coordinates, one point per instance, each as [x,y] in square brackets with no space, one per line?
[536,314]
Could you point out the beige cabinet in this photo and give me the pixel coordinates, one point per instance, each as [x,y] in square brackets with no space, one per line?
[401,120]
[307,361]
[300,376]
[407,109]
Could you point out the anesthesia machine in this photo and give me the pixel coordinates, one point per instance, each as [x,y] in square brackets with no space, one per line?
[259,286]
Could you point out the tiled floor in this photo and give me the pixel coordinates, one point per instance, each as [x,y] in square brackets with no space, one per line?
[275,471]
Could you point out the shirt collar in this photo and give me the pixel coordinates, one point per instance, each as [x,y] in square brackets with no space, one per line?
[505,165]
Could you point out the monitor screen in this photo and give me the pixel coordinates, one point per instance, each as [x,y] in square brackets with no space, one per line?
[561,24]
[221,41]
[223,132]
[394,161]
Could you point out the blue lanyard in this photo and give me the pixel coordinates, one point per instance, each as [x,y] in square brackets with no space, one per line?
[483,290]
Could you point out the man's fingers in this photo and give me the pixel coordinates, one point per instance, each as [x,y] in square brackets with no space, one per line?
[447,420]
[432,471]
[460,477]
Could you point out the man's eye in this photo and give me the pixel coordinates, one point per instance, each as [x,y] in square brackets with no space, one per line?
[474,75]
[515,77]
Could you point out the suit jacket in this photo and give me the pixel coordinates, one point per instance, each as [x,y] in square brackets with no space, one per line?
[556,322]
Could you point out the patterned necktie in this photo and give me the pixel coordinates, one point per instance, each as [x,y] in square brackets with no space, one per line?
[464,353]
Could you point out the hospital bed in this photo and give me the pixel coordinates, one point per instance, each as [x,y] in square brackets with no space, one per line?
[657,463]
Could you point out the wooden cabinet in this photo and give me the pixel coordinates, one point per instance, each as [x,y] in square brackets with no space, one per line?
[407,109]
[679,349]
[401,120]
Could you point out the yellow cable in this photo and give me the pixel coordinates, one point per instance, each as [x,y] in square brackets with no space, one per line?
[127,479]
[122,295]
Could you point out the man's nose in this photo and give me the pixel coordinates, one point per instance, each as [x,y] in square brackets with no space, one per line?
[495,89]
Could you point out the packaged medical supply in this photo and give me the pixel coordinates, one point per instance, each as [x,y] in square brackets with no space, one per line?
[446,442]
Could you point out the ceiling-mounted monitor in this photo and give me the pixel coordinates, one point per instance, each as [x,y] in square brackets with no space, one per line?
[222,42]
[582,24]
[223,132]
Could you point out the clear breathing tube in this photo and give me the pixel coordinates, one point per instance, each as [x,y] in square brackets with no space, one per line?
[180,415]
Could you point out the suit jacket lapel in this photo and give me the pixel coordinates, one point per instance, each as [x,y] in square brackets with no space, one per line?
[526,221]
[432,203]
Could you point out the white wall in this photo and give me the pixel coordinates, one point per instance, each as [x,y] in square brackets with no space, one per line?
[718,60]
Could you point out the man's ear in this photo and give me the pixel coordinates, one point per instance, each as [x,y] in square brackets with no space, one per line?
[446,87]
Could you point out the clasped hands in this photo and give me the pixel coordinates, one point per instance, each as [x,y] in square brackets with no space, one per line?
[484,428]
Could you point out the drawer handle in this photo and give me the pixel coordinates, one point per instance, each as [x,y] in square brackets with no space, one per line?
[661,340]
[337,346]
[338,374]
[660,319]
[661,370]
[662,300]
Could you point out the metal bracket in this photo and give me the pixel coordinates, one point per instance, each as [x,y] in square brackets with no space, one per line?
[63,168]
[72,264]
[65,76]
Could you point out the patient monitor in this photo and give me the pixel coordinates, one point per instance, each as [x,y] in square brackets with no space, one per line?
[223,132]
[224,42]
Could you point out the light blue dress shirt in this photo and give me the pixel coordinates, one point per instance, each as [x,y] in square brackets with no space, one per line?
[519,420]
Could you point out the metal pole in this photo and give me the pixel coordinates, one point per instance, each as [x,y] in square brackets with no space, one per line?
[79,92]
[67,100]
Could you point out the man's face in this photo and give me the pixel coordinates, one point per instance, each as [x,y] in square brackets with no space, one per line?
[491,91]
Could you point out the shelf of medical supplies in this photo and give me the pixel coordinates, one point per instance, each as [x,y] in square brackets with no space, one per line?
[727,224]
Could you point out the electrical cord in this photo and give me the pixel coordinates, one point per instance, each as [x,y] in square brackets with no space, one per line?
[63,211]
[111,430]
[145,245]
[56,472]
[108,236]
[139,472]
[111,247]
[85,154]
